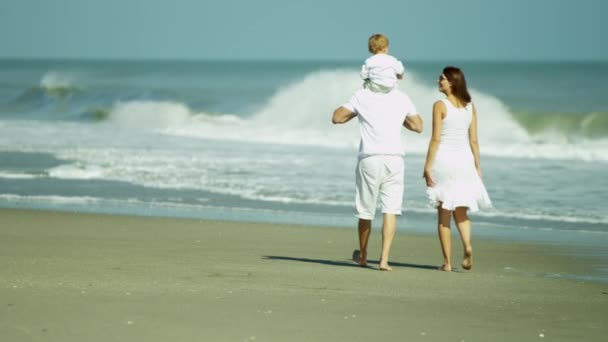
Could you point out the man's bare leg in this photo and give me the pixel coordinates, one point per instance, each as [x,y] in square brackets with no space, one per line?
[365,228]
[389,225]
[464,228]
[445,237]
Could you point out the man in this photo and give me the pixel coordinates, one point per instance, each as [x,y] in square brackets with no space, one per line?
[380,168]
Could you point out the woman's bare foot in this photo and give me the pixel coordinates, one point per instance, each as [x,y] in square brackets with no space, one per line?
[445,267]
[467,262]
[384,266]
[360,258]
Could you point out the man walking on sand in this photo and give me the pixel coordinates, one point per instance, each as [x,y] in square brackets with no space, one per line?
[380,168]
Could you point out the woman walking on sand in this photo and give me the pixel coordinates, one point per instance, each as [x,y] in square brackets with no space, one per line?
[452,170]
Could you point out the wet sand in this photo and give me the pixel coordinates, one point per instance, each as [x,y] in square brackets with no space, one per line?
[82,277]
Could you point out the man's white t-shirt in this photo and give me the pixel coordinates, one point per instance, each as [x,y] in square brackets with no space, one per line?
[382,69]
[381,117]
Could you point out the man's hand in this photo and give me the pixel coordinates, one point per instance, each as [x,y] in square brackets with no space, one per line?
[413,123]
[342,115]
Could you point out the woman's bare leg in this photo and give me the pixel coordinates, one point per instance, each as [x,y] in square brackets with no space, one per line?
[464,228]
[445,236]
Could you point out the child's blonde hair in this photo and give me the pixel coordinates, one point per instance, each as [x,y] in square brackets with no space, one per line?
[377,42]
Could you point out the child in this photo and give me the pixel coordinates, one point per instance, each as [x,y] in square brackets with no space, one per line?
[380,71]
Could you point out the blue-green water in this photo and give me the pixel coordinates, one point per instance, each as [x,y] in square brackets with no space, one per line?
[253,141]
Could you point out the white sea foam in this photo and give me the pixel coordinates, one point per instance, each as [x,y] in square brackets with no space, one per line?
[13,175]
[77,171]
[87,200]
[49,199]
[598,219]
[150,114]
[57,80]
[414,207]
[300,114]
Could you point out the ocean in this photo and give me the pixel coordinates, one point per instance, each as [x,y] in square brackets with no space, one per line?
[253,141]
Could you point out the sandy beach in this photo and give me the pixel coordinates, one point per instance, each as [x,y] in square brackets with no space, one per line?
[83,277]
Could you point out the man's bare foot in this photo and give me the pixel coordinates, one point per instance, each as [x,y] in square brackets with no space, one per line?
[384,266]
[360,258]
[467,262]
[446,268]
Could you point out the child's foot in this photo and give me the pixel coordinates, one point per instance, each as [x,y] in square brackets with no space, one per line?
[360,258]
[467,262]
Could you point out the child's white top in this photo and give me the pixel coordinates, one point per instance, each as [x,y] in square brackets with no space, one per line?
[382,69]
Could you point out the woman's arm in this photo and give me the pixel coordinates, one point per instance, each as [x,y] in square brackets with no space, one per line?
[438,115]
[474,142]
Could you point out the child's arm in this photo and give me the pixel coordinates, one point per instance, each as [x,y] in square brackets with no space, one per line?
[364,72]
[399,70]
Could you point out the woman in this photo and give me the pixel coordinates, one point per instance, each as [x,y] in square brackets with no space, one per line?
[452,170]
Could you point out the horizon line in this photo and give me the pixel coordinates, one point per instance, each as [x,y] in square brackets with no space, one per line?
[284,60]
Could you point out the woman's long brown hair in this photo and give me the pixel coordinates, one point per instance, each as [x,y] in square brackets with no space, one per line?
[459,85]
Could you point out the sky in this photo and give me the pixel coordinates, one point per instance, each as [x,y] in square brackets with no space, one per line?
[418,30]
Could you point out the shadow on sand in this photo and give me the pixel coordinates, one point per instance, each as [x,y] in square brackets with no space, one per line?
[348,263]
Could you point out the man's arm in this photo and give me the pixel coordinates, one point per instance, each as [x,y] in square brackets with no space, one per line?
[413,123]
[342,115]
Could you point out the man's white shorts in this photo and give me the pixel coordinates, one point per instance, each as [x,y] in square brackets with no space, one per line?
[379,177]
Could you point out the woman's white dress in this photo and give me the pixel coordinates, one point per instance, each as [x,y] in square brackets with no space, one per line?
[457,183]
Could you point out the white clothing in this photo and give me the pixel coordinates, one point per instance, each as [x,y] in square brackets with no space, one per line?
[380,72]
[379,177]
[381,117]
[457,183]
[380,169]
